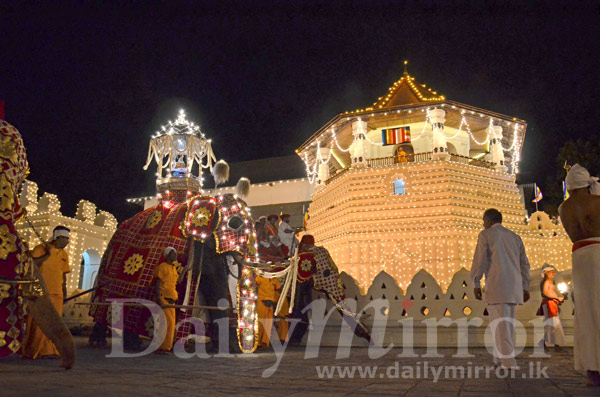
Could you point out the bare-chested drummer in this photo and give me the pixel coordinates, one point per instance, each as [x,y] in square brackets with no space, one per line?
[580,216]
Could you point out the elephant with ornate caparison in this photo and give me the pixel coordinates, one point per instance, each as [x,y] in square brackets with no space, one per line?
[205,231]
[21,287]
[317,271]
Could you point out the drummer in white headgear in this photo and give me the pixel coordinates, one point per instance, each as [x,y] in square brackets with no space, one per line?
[580,216]
[553,330]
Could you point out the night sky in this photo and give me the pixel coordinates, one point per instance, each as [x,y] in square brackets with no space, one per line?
[88,85]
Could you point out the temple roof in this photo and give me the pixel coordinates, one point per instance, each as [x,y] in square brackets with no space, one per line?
[405,91]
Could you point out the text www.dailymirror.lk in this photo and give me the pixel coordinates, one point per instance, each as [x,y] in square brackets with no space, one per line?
[422,370]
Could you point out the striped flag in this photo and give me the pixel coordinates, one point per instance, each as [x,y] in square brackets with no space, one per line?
[306,218]
[538,194]
[565,191]
[394,136]
[405,135]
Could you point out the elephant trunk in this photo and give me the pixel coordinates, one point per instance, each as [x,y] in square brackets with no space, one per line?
[47,318]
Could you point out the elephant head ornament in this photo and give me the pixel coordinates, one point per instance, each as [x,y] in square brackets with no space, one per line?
[17,273]
[205,230]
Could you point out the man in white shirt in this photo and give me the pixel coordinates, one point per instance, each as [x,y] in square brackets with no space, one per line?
[500,256]
[286,233]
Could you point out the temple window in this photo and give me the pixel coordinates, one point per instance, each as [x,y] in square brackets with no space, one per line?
[399,186]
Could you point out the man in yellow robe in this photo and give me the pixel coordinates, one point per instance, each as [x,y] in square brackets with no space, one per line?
[53,262]
[166,294]
[269,290]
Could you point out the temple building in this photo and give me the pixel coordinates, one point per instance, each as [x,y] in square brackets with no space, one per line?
[402,185]
[91,230]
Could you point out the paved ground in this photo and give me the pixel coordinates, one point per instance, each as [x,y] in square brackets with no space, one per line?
[241,374]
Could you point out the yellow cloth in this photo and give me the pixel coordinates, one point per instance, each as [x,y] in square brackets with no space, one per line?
[53,268]
[168,341]
[267,290]
[36,343]
[167,274]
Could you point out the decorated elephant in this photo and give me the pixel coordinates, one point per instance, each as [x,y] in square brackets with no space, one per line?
[21,287]
[208,232]
[313,268]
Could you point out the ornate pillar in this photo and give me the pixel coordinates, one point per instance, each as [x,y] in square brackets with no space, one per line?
[323,174]
[440,149]
[359,150]
[496,148]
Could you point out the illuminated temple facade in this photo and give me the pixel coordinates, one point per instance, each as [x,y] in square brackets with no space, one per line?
[402,185]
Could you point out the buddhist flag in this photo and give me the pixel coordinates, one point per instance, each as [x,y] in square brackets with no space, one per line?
[405,135]
[306,218]
[394,136]
[538,194]
[389,136]
[565,191]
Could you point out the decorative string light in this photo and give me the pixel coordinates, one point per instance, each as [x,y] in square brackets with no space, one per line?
[90,229]
[434,226]
[464,126]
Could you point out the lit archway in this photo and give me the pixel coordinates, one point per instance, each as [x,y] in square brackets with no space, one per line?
[90,264]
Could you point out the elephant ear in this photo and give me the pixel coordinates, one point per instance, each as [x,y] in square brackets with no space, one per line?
[220,172]
[243,187]
[200,218]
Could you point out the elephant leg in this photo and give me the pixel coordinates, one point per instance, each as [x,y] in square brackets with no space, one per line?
[98,336]
[301,300]
[213,285]
[50,322]
[131,341]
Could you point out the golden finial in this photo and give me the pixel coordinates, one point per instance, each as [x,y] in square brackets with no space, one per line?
[406,67]
[567,167]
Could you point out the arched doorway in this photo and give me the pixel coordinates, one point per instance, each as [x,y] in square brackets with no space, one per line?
[91,263]
[404,153]
[451,148]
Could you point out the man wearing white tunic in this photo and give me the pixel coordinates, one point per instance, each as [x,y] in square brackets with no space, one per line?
[500,256]
[286,233]
[553,330]
[580,216]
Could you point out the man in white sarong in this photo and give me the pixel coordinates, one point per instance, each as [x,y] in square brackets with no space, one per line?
[580,216]
[500,256]
[553,330]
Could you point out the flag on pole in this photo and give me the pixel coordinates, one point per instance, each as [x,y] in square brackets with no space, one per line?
[538,194]
[306,218]
[565,191]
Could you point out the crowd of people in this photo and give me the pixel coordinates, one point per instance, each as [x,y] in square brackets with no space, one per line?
[499,257]
[276,238]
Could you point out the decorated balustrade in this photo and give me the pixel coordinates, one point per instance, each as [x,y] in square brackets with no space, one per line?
[424,302]
[426,156]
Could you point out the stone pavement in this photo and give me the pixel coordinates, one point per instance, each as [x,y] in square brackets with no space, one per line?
[94,374]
